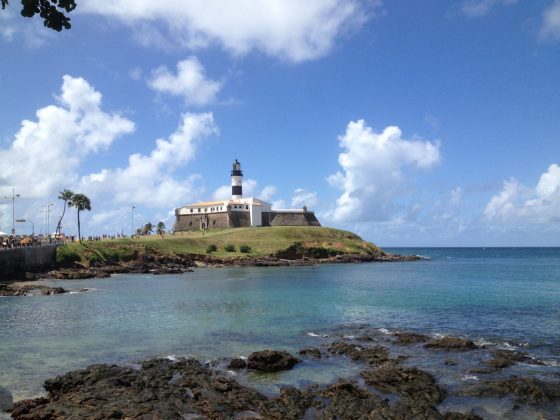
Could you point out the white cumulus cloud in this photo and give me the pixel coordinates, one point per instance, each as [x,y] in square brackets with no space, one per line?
[292,29]
[149,179]
[303,197]
[519,203]
[46,154]
[190,82]
[372,169]
[477,8]
[551,22]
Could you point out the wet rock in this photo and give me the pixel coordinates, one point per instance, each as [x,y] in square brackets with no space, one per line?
[449,362]
[505,358]
[405,338]
[30,290]
[271,361]
[292,403]
[311,352]
[160,389]
[372,355]
[411,383]
[451,343]
[6,399]
[237,363]
[528,390]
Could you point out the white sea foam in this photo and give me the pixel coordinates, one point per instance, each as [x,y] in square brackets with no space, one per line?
[469,378]
[312,334]
[171,357]
[384,331]
[231,372]
[551,363]
[243,357]
[349,337]
[506,346]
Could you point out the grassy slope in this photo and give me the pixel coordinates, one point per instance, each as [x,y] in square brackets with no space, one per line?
[263,242]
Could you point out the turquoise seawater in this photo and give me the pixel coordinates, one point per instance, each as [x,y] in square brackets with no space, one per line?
[506,297]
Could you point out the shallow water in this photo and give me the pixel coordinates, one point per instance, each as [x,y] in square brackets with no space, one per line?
[505,297]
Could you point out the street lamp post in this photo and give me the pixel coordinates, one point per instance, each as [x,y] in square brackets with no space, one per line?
[14,196]
[47,216]
[132,221]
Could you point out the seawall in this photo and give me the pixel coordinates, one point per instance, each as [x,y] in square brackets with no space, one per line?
[15,262]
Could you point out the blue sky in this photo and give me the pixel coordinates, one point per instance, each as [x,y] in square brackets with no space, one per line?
[430,123]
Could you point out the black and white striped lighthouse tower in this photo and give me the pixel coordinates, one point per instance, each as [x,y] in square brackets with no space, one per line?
[236,181]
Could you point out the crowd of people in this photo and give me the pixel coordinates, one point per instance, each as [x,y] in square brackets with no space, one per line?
[20,241]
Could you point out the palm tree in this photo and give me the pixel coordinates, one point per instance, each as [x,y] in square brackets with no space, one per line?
[81,202]
[160,228]
[148,227]
[66,196]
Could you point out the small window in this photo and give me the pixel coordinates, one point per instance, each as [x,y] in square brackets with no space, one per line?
[199,210]
[213,223]
[246,207]
[190,223]
[191,210]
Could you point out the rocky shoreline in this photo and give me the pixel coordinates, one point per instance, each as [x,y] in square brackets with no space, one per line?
[159,264]
[387,386]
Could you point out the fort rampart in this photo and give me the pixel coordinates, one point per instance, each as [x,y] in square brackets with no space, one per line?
[15,262]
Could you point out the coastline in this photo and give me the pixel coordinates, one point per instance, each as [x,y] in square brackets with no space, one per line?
[156,265]
[388,383]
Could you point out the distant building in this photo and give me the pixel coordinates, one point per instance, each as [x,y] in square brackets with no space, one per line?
[239,211]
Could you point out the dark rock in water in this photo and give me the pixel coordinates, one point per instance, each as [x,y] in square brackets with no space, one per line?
[450,363]
[529,390]
[505,358]
[160,389]
[30,290]
[186,389]
[311,352]
[237,363]
[372,355]
[451,343]
[290,404]
[271,361]
[6,399]
[411,383]
[404,338]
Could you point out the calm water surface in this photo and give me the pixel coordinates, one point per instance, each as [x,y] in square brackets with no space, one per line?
[507,296]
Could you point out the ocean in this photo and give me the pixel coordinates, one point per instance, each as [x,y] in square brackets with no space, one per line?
[499,297]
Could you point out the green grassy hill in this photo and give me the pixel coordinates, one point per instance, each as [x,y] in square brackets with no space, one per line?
[266,241]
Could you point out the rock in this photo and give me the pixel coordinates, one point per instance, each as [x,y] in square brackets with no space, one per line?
[505,358]
[237,363]
[529,390]
[271,361]
[159,389]
[6,399]
[404,338]
[311,352]
[372,355]
[411,383]
[451,343]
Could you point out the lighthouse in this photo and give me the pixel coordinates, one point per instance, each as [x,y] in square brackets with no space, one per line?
[236,181]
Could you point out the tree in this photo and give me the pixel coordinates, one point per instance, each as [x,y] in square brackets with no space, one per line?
[147,229]
[51,11]
[81,202]
[160,230]
[66,196]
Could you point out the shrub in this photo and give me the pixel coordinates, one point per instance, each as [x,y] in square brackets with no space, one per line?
[66,257]
[93,259]
[230,248]
[211,248]
[245,249]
